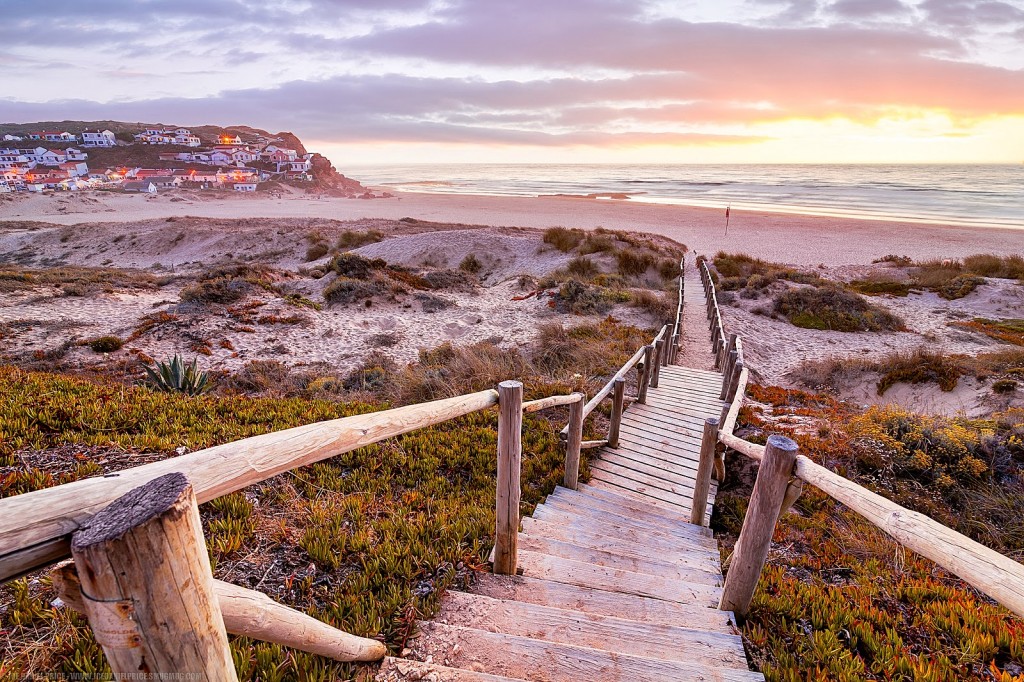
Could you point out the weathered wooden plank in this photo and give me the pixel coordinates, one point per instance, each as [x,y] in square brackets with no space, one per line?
[634,564]
[677,476]
[646,506]
[407,670]
[625,505]
[631,486]
[623,528]
[522,657]
[659,431]
[585,533]
[616,580]
[617,517]
[606,633]
[663,480]
[602,602]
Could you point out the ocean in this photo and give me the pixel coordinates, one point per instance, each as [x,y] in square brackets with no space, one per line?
[982,195]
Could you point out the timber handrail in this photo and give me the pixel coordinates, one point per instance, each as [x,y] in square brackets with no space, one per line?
[988,571]
[35,527]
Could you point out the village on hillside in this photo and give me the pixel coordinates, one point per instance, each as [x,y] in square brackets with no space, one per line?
[228,163]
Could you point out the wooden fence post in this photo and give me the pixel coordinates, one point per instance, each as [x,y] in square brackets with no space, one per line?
[656,366]
[143,565]
[702,485]
[727,374]
[618,400]
[645,375]
[734,380]
[572,446]
[510,455]
[751,549]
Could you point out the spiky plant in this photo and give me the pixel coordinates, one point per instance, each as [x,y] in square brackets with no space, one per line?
[175,375]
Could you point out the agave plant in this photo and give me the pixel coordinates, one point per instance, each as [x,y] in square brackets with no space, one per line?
[175,375]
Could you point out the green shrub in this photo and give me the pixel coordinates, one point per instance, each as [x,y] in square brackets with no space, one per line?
[106,344]
[881,287]
[353,239]
[586,299]
[175,376]
[345,290]
[471,264]
[919,367]
[1004,386]
[222,290]
[835,309]
[633,263]
[316,251]
[959,286]
[355,266]
[582,268]
[563,239]
[597,243]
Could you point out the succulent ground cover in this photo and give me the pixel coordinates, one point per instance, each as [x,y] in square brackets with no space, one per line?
[839,600]
[367,541]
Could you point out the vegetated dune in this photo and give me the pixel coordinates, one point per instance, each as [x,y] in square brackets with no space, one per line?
[782,353]
[237,291]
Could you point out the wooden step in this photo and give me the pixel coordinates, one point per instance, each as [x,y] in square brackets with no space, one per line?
[628,487]
[623,517]
[407,670]
[645,503]
[587,535]
[682,489]
[607,633]
[682,502]
[547,567]
[683,470]
[540,661]
[603,602]
[599,499]
[623,529]
[708,573]
[633,504]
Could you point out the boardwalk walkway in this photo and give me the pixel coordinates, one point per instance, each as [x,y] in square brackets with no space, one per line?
[616,585]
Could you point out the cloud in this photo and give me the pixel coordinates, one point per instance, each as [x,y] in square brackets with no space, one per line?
[867,9]
[534,72]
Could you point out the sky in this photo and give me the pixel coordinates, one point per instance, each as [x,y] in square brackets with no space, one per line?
[532,81]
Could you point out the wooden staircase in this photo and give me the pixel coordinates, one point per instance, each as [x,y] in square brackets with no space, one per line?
[616,584]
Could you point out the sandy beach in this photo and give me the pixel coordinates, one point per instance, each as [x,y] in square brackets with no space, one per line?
[786,238]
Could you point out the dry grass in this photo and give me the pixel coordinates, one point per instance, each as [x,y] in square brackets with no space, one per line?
[834,309]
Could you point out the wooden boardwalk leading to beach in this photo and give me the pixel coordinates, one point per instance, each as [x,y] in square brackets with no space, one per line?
[616,584]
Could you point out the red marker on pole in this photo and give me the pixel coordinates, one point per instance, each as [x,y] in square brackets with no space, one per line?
[727,219]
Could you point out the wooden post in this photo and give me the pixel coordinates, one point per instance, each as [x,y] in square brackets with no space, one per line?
[572,447]
[758,525]
[510,455]
[734,380]
[656,366]
[618,400]
[728,374]
[673,349]
[702,485]
[254,614]
[641,390]
[143,563]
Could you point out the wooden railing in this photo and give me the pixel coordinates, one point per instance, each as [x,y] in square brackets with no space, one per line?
[140,571]
[783,471]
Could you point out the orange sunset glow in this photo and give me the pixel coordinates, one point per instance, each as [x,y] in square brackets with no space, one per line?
[584,81]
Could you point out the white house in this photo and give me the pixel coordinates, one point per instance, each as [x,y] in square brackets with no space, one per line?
[220,158]
[98,138]
[245,186]
[75,154]
[243,156]
[13,138]
[53,136]
[184,136]
[52,157]
[227,138]
[75,169]
[140,186]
